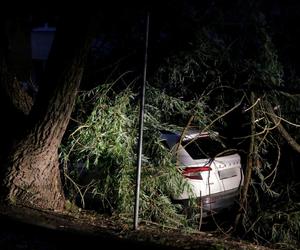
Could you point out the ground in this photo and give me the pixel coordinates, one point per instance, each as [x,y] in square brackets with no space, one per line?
[32,229]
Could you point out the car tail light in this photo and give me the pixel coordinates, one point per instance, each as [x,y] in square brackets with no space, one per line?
[195,172]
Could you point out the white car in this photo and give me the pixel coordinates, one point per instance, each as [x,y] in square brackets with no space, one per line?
[214,173]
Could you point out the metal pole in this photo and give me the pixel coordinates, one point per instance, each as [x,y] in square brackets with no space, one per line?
[141,127]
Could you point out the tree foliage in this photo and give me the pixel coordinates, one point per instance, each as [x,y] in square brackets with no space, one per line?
[229,78]
[105,143]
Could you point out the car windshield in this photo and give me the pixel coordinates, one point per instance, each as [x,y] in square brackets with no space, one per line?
[204,147]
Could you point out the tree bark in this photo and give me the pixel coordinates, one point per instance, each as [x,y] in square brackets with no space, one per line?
[32,175]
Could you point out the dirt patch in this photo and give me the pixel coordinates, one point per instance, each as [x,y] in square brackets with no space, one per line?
[43,229]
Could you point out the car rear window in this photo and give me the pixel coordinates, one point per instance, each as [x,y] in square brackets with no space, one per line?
[203,148]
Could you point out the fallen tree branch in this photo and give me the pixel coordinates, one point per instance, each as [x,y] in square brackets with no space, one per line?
[224,114]
[283,132]
[252,154]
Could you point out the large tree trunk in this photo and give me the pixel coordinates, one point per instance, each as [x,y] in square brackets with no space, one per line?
[32,174]
[34,177]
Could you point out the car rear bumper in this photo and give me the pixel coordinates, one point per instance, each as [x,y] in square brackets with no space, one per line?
[215,202]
